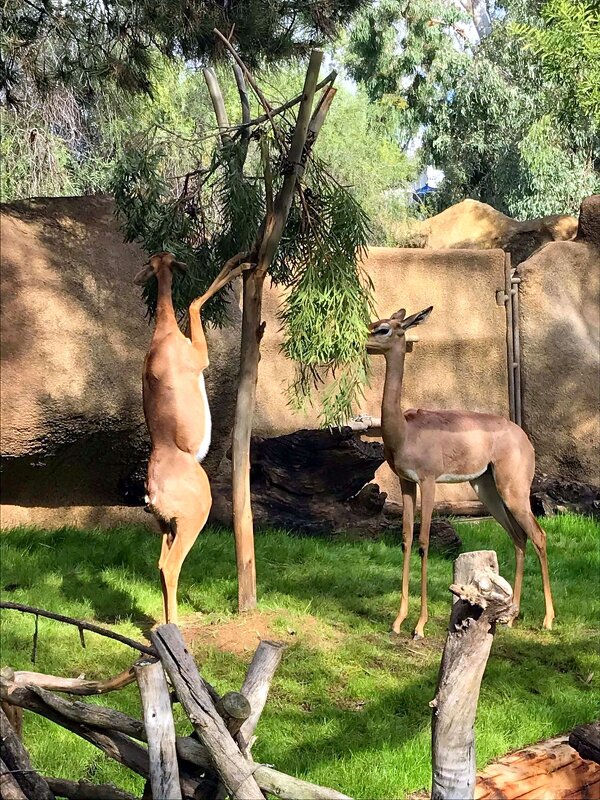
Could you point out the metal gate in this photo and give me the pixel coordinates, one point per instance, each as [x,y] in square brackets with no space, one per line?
[509,297]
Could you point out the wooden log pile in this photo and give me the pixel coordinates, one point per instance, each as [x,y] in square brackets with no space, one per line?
[212,763]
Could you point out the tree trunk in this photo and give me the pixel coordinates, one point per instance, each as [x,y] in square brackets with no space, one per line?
[266,246]
[242,429]
[484,598]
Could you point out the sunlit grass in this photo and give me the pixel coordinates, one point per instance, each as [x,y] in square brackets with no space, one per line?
[349,704]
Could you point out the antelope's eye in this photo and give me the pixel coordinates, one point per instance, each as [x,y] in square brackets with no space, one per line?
[382,330]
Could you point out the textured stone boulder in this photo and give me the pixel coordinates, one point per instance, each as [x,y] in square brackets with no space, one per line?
[560,351]
[473,225]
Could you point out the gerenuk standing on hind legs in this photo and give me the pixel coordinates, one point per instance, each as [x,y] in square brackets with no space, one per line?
[429,447]
[178,419]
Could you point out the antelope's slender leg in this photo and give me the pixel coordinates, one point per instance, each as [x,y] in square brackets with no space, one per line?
[513,486]
[519,567]
[530,525]
[427,498]
[409,494]
[186,527]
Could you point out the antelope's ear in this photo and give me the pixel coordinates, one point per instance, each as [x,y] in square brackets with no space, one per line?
[180,265]
[416,319]
[399,315]
[143,275]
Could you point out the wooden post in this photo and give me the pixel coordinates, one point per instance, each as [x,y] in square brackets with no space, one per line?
[258,682]
[17,763]
[160,730]
[234,709]
[235,772]
[483,599]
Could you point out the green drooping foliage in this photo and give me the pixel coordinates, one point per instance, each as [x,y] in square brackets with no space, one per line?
[214,212]
[481,102]
[83,44]
[568,46]
[52,146]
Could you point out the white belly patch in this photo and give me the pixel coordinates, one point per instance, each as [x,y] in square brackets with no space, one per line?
[459,478]
[205,443]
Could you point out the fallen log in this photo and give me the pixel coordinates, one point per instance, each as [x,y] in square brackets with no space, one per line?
[113,743]
[551,769]
[268,778]
[235,772]
[83,790]
[483,599]
[77,686]
[17,763]
[160,730]
[188,749]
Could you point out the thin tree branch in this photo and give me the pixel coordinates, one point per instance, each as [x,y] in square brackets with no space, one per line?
[264,147]
[245,104]
[79,623]
[247,74]
[295,166]
[216,96]
[329,79]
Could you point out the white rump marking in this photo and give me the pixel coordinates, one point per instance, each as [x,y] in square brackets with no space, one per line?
[205,443]
[459,478]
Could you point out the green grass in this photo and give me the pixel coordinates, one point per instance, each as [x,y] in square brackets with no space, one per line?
[349,705]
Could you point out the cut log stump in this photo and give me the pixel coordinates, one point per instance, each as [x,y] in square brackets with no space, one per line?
[550,770]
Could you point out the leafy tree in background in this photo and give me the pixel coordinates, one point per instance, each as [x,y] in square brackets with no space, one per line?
[479,100]
[568,46]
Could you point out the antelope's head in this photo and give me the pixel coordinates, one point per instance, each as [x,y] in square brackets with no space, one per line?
[156,263]
[387,335]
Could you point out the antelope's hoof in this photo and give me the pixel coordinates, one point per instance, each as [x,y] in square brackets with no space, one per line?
[547,625]
[417,636]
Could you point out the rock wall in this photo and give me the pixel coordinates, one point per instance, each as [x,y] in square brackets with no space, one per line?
[560,345]
[74,339]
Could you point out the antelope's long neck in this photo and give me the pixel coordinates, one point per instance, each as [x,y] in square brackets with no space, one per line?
[393,424]
[165,313]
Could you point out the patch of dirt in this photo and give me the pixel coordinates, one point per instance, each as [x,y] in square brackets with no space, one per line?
[241,635]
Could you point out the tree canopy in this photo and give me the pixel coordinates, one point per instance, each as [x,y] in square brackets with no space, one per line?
[85,43]
[482,103]
[567,42]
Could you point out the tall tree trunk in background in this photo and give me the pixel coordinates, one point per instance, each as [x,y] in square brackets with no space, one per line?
[252,330]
